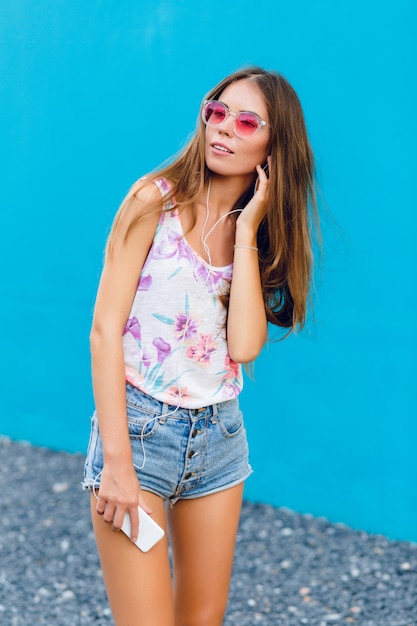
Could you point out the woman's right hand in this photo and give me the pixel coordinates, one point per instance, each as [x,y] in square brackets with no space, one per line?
[120,493]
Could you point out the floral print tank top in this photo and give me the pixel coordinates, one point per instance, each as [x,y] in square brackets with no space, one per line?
[174,341]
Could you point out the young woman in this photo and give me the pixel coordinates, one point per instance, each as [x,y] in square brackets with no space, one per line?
[202,255]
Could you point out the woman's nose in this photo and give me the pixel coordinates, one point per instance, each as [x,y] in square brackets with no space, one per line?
[227,126]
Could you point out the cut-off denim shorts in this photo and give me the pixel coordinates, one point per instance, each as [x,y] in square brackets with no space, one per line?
[184,454]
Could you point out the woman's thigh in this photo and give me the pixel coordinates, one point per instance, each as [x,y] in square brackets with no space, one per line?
[138,584]
[203,535]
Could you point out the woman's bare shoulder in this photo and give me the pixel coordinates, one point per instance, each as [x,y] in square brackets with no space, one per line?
[138,214]
[146,194]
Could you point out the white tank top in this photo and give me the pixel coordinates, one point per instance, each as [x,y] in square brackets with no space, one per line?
[174,342]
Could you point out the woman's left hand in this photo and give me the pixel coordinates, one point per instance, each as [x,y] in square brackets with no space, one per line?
[254,212]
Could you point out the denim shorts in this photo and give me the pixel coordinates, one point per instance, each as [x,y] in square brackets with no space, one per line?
[178,453]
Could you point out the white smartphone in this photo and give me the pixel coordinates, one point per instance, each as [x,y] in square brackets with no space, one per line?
[149,531]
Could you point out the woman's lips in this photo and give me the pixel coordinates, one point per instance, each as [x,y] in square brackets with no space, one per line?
[220,148]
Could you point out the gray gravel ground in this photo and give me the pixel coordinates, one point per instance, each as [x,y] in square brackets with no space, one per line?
[290,569]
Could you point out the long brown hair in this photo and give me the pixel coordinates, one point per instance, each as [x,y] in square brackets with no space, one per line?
[285,234]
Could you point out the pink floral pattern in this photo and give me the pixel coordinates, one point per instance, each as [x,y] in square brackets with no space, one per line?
[202,351]
[177,393]
[232,368]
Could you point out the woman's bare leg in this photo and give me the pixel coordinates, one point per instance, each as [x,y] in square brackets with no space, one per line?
[138,584]
[203,534]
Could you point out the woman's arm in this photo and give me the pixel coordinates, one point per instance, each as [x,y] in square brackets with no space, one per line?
[119,488]
[246,322]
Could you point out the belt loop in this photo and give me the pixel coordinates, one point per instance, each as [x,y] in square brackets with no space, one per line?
[165,410]
[215,413]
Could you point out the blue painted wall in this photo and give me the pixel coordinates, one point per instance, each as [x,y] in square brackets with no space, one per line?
[85,93]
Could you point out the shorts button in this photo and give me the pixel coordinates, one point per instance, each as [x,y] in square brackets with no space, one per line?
[187,476]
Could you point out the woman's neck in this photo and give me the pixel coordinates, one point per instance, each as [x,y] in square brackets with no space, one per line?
[224,193]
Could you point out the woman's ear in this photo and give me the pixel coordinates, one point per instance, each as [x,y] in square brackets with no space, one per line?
[265,166]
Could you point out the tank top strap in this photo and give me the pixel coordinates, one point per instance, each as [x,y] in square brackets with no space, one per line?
[165,189]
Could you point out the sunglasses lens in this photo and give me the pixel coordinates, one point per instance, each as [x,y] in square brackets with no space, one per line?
[214,113]
[246,124]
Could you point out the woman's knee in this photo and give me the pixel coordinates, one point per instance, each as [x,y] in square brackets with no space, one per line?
[203,615]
